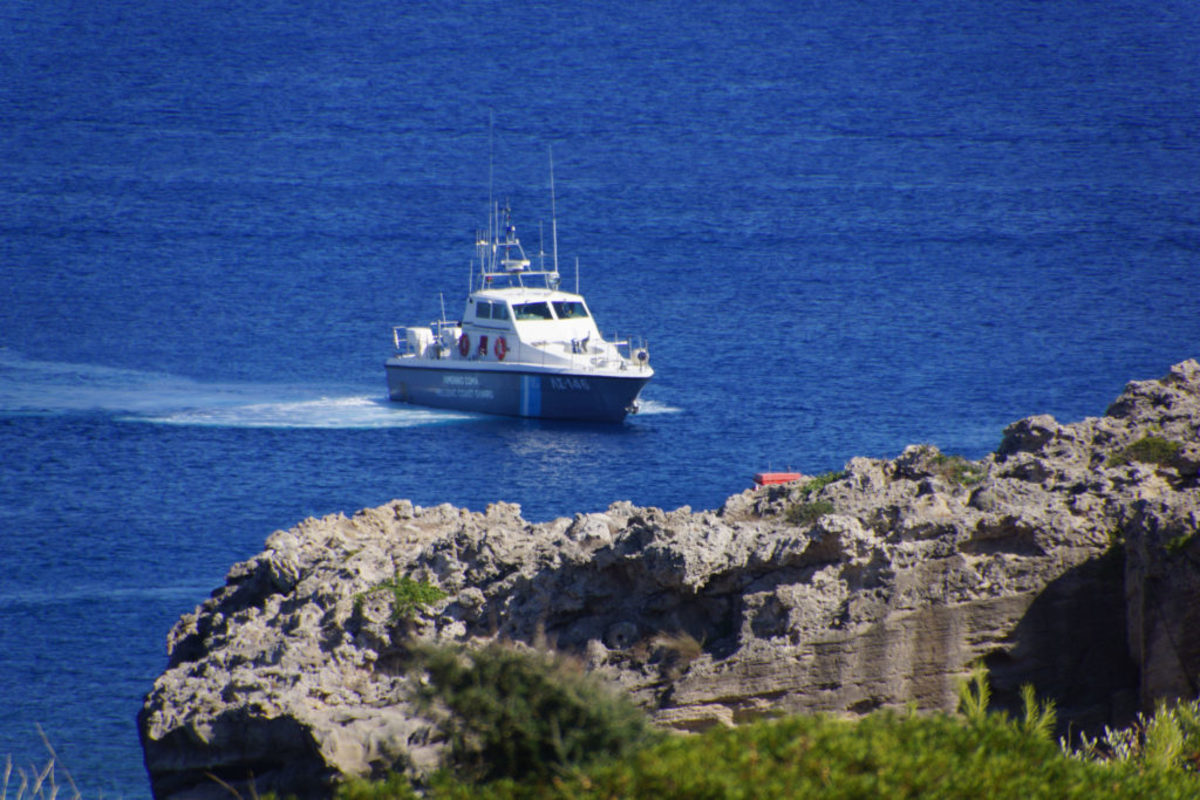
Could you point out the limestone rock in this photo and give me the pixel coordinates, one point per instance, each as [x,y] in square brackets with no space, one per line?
[877,589]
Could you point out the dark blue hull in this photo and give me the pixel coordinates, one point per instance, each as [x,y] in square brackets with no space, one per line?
[515,393]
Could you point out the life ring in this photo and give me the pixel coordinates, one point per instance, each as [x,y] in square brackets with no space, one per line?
[464,345]
[501,348]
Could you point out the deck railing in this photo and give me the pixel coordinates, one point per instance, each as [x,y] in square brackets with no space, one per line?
[617,353]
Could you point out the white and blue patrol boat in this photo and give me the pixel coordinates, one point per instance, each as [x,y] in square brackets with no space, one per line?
[524,347]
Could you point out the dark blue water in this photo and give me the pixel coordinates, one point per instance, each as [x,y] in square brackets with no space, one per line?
[844,227]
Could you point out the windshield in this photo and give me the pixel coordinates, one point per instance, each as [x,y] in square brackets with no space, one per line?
[569,309]
[532,311]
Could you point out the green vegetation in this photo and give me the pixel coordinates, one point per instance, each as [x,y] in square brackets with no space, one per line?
[408,596]
[515,713]
[975,695]
[882,755]
[1148,450]
[391,787]
[1038,716]
[518,740]
[807,511]
[1177,544]
[1167,741]
[820,482]
[957,469]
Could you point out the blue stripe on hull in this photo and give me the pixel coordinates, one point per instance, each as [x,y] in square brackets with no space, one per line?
[531,395]
[518,394]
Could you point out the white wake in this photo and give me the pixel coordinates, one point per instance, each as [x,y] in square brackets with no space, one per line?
[33,387]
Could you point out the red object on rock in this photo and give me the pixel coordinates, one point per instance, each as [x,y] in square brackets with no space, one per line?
[771,478]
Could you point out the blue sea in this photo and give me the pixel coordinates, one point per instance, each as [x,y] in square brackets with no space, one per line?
[843,228]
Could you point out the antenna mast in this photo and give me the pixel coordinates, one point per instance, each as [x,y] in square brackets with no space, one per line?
[553,211]
[541,248]
[492,222]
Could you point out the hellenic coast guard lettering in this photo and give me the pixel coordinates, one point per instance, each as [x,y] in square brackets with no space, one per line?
[569,384]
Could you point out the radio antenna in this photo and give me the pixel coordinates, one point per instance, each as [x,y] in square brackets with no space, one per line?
[492,222]
[553,211]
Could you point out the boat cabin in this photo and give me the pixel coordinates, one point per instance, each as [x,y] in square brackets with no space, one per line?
[517,314]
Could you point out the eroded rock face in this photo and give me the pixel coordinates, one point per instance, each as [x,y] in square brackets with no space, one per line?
[877,589]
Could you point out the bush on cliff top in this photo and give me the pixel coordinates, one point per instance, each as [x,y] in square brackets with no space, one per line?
[807,511]
[820,482]
[515,702]
[957,469]
[514,713]
[881,755]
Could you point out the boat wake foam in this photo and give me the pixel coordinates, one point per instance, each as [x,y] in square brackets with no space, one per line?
[325,412]
[30,387]
[650,407]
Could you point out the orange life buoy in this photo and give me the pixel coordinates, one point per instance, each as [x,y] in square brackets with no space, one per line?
[464,345]
[501,348]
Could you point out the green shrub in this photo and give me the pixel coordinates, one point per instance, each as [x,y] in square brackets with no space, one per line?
[391,787]
[519,714]
[1167,740]
[957,469]
[885,754]
[408,596]
[808,513]
[1039,715]
[1164,741]
[820,482]
[882,755]
[975,694]
[1148,450]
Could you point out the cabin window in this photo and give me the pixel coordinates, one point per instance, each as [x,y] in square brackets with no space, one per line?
[532,311]
[569,309]
[483,310]
[499,311]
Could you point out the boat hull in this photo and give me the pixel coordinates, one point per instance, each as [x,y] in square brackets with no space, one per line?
[515,392]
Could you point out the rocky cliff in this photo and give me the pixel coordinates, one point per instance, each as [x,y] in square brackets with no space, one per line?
[1070,558]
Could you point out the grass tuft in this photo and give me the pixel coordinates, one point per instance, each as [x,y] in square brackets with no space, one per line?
[808,513]
[959,470]
[820,482]
[37,784]
[1147,450]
